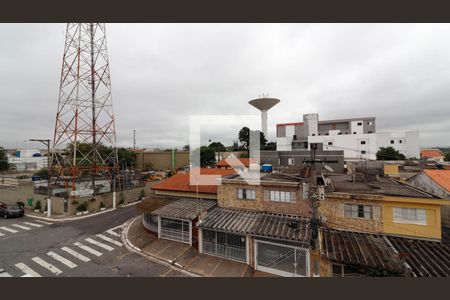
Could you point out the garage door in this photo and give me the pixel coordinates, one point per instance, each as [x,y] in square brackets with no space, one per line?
[176,230]
[282,260]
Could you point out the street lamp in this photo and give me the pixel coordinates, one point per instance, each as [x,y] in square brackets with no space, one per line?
[49,201]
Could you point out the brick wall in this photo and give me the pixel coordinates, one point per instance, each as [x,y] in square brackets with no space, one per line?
[332,213]
[227,197]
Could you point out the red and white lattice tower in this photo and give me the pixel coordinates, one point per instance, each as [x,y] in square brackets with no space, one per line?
[84,126]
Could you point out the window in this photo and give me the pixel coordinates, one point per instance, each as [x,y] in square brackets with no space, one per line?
[279,196]
[392,141]
[369,123]
[405,215]
[358,211]
[330,143]
[400,141]
[249,194]
[369,131]
[326,133]
[339,133]
[354,132]
[291,161]
[313,134]
[363,151]
[363,142]
[359,123]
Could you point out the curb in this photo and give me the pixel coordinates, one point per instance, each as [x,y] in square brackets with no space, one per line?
[81,217]
[137,250]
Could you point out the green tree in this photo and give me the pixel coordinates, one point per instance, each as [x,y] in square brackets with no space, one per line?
[244,138]
[186,148]
[127,156]
[271,146]
[389,153]
[4,165]
[447,156]
[207,156]
[217,146]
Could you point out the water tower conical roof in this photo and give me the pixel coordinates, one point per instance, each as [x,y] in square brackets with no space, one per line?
[264,103]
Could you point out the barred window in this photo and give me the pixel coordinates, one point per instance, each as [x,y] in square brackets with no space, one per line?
[358,211]
[279,196]
[249,194]
[410,215]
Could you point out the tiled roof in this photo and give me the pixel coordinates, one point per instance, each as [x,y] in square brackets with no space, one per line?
[360,249]
[441,177]
[186,209]
[425,258]
[257,223]
[431,153]
[180,182]
[245,161]
[289,124]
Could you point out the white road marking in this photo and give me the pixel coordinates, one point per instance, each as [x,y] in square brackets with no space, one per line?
[108,239]
[46,265]
[5,274]
[27,270]
[101,245]
[8,229]
[1,234]
[61,259]
[21,227]
[76,254]
[120,226]
[33,224]
[43,222]
[111,232]
[88,249]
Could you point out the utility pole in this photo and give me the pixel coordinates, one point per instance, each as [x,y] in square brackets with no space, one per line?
[134,139]
[49,201]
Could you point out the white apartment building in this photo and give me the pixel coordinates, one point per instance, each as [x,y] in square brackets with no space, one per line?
[357,137]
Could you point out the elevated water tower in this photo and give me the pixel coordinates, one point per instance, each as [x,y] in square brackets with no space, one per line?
[264,104]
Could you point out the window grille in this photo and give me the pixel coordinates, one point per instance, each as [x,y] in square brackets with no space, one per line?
[405,215]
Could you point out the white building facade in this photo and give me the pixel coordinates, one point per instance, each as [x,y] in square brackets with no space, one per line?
[28,160]
[356,137]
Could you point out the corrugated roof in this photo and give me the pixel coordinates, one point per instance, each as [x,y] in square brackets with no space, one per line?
[431,153]
[426,258]
[360,249]
[152,203]
[257,223]
[186,209]
[180,182]
[441,177]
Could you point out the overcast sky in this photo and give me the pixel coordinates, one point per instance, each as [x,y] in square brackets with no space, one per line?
[162,73]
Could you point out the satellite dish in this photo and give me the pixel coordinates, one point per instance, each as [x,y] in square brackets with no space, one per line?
[328,168]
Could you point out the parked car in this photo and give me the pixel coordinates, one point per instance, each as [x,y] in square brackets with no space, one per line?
[11,211]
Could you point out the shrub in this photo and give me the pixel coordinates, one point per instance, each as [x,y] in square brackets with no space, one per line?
[82,207]
[141,194]
[38,205]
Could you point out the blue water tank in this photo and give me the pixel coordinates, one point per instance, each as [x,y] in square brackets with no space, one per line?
[266,168]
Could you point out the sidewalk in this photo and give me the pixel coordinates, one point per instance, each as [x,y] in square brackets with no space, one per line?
[184,256]
[63,218]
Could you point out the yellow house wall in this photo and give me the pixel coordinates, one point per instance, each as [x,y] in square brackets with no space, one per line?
[432,230]
[391,169]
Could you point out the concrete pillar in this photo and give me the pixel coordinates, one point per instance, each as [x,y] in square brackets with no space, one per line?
[264,124]
[114,199]
[49,207]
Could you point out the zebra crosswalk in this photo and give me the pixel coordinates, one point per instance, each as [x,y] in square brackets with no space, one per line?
[68,257]
[19,226]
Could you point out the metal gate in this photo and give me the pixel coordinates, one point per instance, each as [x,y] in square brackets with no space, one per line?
[226,245]
[176,230]
[282,260]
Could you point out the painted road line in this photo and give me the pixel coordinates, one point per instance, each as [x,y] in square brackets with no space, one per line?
[101,245]
[88,249]
[1,234]
[21,227]
[120,226]
[43,222]
[108,239]
[5,274]
[61,259]
[27,270]
[8,229]
[76,254]
[33,224]
[111,232]
[46,265]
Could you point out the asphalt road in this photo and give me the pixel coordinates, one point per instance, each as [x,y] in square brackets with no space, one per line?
[29,246]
